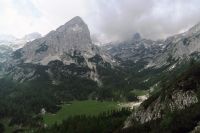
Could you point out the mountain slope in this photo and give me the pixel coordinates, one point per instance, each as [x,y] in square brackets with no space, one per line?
[49,71]
[173,109]
[148,62]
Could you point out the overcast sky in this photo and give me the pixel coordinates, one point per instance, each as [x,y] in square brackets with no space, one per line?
[107,19]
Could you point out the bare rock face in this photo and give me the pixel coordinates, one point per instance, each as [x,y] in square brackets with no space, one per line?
[67,40]
[157,108]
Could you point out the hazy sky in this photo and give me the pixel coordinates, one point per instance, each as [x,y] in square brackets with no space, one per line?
[107,19]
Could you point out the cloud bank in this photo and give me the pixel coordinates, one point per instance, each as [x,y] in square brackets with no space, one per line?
[107,19]
[152,18]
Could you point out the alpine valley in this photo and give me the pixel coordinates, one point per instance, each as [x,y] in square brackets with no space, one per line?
[133,86]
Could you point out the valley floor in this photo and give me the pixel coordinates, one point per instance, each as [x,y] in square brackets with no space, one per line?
[88,108]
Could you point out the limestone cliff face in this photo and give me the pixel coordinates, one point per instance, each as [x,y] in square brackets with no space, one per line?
[67,40]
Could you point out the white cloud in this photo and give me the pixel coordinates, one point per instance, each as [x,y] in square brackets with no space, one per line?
[113,19]
[17,23]
[152,18]
[20,17]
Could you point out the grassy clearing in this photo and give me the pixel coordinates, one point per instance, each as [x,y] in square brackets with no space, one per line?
[140,92]
[88,107]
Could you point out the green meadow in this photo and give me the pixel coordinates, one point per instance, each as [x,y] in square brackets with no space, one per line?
[88,107]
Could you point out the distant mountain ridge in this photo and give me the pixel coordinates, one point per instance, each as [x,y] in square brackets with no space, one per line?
[135,49]
[9,43]
[159,53]
[16,43]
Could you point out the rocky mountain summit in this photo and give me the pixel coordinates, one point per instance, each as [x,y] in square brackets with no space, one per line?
[69,45]
[71,38]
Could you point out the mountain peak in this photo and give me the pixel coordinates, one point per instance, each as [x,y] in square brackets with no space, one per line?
[75,29]
[72,36]
[76,19]
[76,24]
